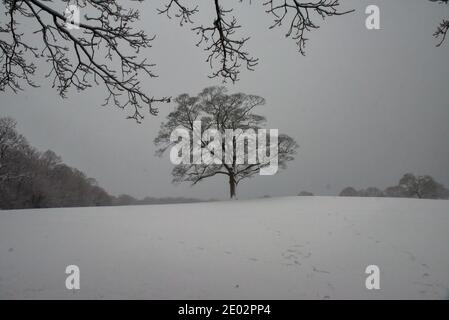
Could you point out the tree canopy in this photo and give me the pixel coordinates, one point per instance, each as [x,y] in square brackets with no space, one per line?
[107,47]
[221,112]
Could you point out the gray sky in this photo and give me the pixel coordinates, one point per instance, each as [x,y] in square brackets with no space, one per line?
[365,106]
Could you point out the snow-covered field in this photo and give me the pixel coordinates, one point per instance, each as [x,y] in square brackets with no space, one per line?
[283,248]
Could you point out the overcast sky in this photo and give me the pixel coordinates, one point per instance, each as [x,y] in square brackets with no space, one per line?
[365,106]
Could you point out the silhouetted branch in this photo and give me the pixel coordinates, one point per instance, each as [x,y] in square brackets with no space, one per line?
[219,42]
[301,21]
[443,27]
[184,14]
[226,53]
[74,54]
[442,31]
[104,48]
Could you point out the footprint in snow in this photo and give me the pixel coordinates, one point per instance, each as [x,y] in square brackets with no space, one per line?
[254,259]
[308,255]
[423,284]
[411,255]
[288,264]
[319,271]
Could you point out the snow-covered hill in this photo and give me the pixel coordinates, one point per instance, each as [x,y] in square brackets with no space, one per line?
[284,248]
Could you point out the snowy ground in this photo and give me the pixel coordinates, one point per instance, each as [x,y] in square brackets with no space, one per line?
[284,248]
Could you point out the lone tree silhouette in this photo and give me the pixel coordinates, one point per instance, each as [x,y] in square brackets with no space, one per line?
[106,47]
[220,111]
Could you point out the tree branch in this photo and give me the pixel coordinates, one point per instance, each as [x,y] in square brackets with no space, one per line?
[73,55]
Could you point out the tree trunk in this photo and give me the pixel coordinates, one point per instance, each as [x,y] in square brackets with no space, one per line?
[232,186]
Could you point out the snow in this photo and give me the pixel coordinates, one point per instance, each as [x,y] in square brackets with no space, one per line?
[276,248]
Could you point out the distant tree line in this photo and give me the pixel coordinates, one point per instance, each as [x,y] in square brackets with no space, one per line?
[33,179]
[409,186]
[305,194]
[127,200]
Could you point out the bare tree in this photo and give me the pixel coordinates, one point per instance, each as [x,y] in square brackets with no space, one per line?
[220,111]
[105,48]
[10,140]
[422,187]
[226,52]
[29,178]
[443,27]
